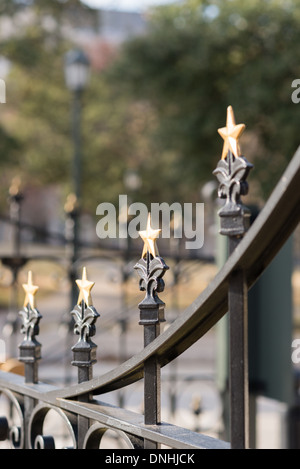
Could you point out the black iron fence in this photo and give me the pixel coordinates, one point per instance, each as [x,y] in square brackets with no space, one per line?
[87,419]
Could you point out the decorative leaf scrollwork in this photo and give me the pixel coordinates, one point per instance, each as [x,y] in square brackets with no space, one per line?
[85,318]
[151,270]
[30,322]
[231,174]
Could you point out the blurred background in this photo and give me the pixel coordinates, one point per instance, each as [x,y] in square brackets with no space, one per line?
[125,97]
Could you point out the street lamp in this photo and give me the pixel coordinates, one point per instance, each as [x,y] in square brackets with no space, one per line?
[77,71]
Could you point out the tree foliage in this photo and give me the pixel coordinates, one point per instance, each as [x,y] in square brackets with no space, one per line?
[33,121]
[36,138]
[197,58]
[157,108]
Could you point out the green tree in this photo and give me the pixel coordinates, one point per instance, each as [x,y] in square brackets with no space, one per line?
[200,56]
[36,121]
[33,121]
[37,117]
[158,107]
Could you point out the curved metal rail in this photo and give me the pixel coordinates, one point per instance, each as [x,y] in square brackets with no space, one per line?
[254,253]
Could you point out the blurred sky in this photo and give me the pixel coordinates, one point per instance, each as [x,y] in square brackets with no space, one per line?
[126,5]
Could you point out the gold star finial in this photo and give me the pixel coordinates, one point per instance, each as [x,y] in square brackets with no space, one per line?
[85,289]
[15,187]
[71,203]
[149,237]
[231,134]
[30,291]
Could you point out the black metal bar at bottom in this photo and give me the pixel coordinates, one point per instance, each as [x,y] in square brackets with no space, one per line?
[239,392]
[29,354]
[152,385]
[152,393]
[86,353]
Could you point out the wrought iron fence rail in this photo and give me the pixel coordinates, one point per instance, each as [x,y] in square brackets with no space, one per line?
[264,239]
[108,417]
[88,419]
[15,383]
[133,424]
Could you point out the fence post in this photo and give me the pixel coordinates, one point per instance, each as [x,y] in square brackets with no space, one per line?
[151,268]
[84,351]
[30,348]
[67,321]
[232,171]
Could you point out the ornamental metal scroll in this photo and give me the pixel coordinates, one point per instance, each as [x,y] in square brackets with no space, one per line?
[97,431]
[12,427]
[36,436]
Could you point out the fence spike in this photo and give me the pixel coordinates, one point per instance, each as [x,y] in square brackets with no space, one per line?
[232,171]
[85,317]
[151,268]
[30,348]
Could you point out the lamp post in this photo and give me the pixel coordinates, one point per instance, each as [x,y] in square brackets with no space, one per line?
[77,70]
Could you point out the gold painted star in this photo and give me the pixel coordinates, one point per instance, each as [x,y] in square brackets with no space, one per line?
[71,203]
[30,291]
[231,134]
[149,237]
[15,187]
[85,289]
